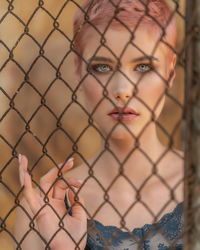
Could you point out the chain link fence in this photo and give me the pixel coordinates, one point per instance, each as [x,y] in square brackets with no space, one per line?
[50,115]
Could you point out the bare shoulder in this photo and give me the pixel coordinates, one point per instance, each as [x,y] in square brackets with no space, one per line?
[178,153]
[171,166]
[176,158]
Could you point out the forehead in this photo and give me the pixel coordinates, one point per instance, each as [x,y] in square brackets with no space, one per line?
[119,43]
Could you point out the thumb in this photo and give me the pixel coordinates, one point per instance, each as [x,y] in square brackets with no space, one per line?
[78,210]
[25,180]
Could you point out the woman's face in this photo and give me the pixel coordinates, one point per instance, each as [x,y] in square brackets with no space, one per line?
[134,90]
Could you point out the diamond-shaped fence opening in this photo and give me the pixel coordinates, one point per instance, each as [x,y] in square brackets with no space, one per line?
[118,93]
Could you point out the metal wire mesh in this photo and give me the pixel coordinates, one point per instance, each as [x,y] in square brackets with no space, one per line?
[44,115]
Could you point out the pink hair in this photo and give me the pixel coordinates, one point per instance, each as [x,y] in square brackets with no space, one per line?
[154,14]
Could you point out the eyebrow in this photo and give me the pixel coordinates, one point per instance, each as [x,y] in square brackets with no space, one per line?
[107,59]
[143,58]
[100,59]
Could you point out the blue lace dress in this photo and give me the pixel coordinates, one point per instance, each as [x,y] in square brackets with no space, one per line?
[164,235]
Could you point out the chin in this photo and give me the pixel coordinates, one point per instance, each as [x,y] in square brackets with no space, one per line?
[120,133]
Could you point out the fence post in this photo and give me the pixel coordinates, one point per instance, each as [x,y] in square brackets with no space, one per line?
[192,119]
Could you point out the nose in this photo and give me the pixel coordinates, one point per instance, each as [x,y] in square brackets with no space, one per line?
[123,96]
[122,89]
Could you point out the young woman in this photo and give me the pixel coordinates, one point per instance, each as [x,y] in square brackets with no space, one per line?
[125,197]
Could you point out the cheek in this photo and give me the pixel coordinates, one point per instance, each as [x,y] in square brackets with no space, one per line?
[93,93]
[152,91]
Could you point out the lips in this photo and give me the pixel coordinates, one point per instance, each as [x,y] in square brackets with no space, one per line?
[123,114]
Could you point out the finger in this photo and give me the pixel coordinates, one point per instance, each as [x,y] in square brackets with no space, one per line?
[25,179]
[77,206]
[21,172]
[46,182]
[61,186]
[23,165]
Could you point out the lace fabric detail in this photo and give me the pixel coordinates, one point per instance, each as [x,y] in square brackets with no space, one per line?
[164,235]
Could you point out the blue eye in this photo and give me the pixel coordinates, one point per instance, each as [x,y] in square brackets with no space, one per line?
[144,68]
[101,68]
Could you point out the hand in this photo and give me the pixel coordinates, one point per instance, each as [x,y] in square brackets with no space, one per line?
[48,215]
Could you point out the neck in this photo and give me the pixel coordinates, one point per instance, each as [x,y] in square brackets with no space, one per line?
[134,156]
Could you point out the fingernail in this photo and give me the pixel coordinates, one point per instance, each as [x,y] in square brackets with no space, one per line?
[20,158]
[80,181]
[75,190]
[63,164]
[67,203]
[60,165]
[67,198]
[70,159]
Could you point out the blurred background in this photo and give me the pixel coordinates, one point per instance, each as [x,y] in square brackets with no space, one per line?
[27,73]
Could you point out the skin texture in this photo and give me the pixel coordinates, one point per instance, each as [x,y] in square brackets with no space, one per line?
[150,85]
[46,219]
[138,165]
[148,98]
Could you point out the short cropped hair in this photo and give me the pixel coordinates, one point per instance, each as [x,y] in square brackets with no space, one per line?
[153,14]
